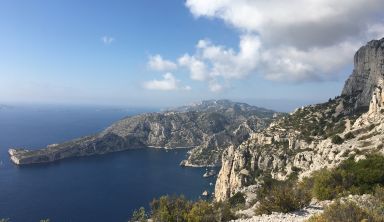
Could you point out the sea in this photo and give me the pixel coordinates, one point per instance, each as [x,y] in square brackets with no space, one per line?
[103,188]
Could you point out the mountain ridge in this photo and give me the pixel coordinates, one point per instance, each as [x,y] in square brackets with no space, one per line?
[209,128]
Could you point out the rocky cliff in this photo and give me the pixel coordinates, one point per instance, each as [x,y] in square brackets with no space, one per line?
[209,127]
[315,136]
[367,74]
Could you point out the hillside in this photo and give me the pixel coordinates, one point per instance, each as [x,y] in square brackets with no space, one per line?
[313,137]
[208,127]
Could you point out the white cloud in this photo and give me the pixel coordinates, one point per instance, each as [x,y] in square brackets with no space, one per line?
[107,40]
[197,68]
[292,64]
[296,40]
[168,83]
[157,63]
[212,62]
[214,86]
[227,63]
[299,22]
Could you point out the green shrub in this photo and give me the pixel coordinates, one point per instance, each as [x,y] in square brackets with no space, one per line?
[223,211]
[139,215]
[282,196]
[201,211]
[350,177]
[349,136]
[377,205]
[170,208]
[326,184]
[336,139]
[237,199]
[179,209]
[343,212]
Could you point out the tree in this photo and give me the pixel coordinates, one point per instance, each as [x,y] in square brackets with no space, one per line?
[139,215]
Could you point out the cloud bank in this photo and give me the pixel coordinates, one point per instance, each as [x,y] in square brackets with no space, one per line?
[294,41]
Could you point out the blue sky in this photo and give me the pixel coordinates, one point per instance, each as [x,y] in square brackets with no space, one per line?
[99,52]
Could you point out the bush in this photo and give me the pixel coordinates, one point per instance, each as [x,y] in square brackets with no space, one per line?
[178,208]
[170,208]
[349,136]
[343,212]
[223,211]
[201,211]
[237,199]
[326,184]
[349,178]
[336,139]
[139,215]
[282,196]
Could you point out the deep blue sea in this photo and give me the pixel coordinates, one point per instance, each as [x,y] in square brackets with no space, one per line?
[97,188]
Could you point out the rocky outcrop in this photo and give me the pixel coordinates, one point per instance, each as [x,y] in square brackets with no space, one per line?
[367,74]
[301,142]
[208,127]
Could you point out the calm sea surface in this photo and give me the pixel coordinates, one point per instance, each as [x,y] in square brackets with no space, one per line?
[96,188]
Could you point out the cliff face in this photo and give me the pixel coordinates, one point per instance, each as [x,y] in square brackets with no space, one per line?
[301,143]
[209,127]
[367,74]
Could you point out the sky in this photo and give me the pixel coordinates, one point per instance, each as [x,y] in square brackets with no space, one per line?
[159,53]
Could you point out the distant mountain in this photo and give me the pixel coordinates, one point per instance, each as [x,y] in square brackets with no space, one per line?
[209,127]
[224,105]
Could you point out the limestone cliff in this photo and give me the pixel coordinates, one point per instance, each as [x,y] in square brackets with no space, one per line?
[367,74]
[301,142]
[209,127]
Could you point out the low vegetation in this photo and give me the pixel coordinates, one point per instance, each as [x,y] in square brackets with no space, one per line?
[350,211]
[237,200]
[179,209]
[349,136]
[282,196]
[349,178]
[321,121]
[336,139]
[363,177]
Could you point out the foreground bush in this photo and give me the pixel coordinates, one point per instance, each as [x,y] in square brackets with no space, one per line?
[349,178]
[282,196]
[179,209]
[371,210]
[343,212]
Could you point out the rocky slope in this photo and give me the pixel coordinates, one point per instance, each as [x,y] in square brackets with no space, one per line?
[301,142]
[209,127]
